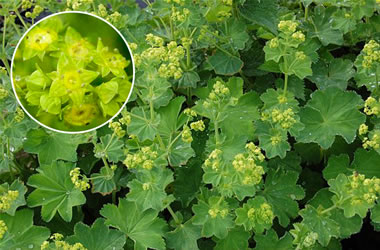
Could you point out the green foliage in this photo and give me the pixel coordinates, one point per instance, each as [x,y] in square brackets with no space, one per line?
[251,125]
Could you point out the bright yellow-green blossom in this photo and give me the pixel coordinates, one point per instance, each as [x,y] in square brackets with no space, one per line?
[167,57]
[180,2]
[215,211]
[214,159]
[110,61]
[284,118]
[35,13]
[3,229]
[246,165]
[282,99]
[80,181]
[287,26]
[77,4]
[78,47]
[179,15]
[38,41]
[198,125]
[189,112]
[255,152]
[60,244]
[186,41]
[372,106]
[126,119]
[143,158]
[6,199]
[298,36]
[3,92]
[19,115]
[80,115]
[117,129]
[276,139]
[371,53]
[219,93]
[186,134]
[303,237]
[363,129]
[274,43]
[300,55]
[26,4]
[264,213]
[373,141]
[363,190]
[102,10]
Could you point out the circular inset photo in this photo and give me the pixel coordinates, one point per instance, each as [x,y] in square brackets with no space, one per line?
[72,72]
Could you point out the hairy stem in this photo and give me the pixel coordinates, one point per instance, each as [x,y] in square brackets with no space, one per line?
[175,218]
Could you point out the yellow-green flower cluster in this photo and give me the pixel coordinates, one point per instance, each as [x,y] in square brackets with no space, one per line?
[303,237]
[60,244]
[7,199]
[80,181]
[255,152]
[144,158]
[214,159]
[298,36]
[26,4]
[126,119]
[35,13]
[3,229]
[3,92]
[261,215]
[186,42]
[219,93]
[179,2]
[19,115]
[371,53]
[363,129]
[300,55]
[179,15]
[276,139]
[198,125]
[274,43]
[117,129]
[168,57]
[186,134]
[373,141]
[246,165]
[189,112]
[287,26]
[284,118]
[78,4]
[214,212]
[363,190]
[372,106]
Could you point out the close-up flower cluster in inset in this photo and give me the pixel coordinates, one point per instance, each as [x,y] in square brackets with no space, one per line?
[63,76]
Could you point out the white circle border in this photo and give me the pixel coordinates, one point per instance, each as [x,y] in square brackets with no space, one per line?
[99,126]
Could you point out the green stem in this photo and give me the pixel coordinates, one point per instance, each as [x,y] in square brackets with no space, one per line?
[16,28]
[188,57]
[9,153]
[329,209]
[171,30]
[21,19]
[306,12]
[286,84]
[114,196]
[175,218]
[6,63]
[216,128]
[4,31]
[160,141]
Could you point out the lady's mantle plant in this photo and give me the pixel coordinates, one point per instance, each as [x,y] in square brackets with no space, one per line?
[252,125]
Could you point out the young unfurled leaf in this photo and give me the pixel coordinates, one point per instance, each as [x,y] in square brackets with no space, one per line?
[55,191]
[273,141]
[214,217]
[282,192]
[335,73]
[21,233]
[98,236]
[184,237]
[322,224]
[143,227]
[148,189]
[143,125]
[18,186]
[329,113]
[52,146]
